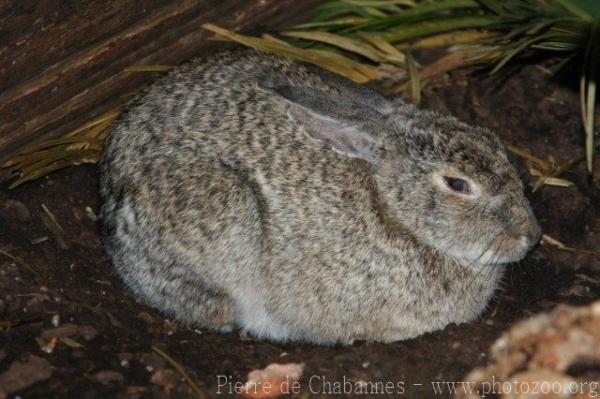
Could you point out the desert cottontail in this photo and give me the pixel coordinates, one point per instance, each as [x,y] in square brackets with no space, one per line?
[247,190]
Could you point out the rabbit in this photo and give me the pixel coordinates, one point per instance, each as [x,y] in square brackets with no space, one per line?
[248,191]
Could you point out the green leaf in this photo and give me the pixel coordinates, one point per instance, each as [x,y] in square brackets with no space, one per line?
[445,25]
[421,12]
[345,43]
[588,92]
[336,63]
[333,23]
[582,9]
[516,49]
[494,6]
[415,83]
[589,122]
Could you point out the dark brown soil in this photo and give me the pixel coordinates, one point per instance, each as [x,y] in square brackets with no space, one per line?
[58,276]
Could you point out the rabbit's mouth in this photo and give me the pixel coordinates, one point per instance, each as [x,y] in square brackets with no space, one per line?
[501,251]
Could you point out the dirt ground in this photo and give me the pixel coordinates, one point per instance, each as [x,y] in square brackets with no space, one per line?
[56,282]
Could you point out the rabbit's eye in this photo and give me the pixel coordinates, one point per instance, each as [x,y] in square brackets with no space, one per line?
[458,184]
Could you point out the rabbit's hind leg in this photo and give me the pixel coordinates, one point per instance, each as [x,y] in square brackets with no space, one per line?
[187,238]
[196,305]
[214,224]
[165,282]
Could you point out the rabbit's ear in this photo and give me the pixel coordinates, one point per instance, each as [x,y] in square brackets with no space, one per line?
[345,137]
[359,94]
[349,127]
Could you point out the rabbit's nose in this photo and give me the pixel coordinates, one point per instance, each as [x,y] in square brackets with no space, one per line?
[533,235]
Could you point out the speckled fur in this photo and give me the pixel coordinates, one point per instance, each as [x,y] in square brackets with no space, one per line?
[222,212]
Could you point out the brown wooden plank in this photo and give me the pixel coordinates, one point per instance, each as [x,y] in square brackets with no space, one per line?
[62,62]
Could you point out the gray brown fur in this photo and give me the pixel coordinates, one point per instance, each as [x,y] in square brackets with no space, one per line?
[226,206]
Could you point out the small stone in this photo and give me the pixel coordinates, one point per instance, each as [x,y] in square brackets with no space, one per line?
[126,356]
[108,377]
[170,327]
[168,379]
[135,390]
[152,361]
[66,330]
[90,214]
[24,373]
[146,317]
[16,210]
[88,332]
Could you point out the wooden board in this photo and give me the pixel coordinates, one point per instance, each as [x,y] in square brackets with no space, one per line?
[62,61]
